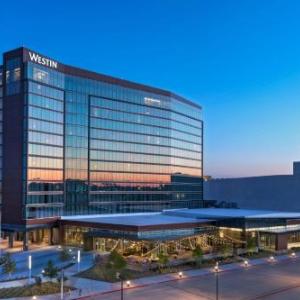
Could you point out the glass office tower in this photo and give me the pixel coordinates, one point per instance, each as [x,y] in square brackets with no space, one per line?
[1,106]
[86,143]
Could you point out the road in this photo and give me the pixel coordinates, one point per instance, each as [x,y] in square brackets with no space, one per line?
[272,282]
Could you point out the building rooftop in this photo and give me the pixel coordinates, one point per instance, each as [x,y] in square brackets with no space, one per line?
[223,213]
[136,220]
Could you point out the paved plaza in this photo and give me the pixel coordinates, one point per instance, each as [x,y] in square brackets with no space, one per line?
[277,281]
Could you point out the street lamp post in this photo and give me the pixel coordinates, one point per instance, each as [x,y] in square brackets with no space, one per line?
[118,275]
[122,289]
[216,269]
[62,284]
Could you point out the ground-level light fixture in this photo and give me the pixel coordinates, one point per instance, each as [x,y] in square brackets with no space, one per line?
[34,297]
[180,274]
[271,258]
[246,263]
[293,254]
[128,283]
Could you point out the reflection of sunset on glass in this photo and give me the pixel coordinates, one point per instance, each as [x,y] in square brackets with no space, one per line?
[38,174]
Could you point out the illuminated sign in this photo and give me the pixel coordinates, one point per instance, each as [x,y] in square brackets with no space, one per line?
[42,60]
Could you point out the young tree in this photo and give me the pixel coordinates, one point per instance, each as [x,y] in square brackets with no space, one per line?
[50,270]
[64,255]
[198,255]
[9,265]
[116,261]
[251,245]
[226,250]
[163,260]
[4,258]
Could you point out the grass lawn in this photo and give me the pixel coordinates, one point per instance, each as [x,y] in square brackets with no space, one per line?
[101,273]
[260,254]
[32,290]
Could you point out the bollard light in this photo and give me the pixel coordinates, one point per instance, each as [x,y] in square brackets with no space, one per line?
[246,263]
[29,262]
[180,274]
[272,258]
[293,254]
[29,267]
[78,256]
[78,260]
[128,283]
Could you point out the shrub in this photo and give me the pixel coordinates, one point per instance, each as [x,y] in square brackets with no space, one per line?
[38,280]
[50,270]
[4,258]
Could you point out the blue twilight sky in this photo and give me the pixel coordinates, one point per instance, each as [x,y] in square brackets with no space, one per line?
[239,59]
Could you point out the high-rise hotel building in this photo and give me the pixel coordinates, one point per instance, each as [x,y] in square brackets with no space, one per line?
[76,142]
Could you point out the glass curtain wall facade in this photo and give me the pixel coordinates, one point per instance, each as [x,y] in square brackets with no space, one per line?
[1,129]
[45,135]
[92,146]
